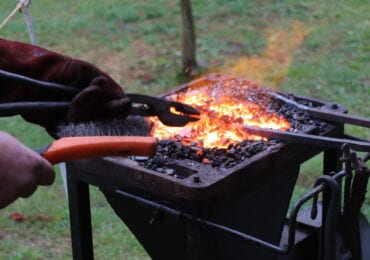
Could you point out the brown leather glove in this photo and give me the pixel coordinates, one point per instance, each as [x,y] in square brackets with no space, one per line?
[100,95]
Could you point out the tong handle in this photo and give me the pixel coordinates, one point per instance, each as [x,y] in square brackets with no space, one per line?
[327,115]
[39,83]
[309,139]
[155,106]
[82,147]
[17,108]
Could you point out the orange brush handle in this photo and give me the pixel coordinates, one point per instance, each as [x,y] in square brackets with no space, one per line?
[74,148]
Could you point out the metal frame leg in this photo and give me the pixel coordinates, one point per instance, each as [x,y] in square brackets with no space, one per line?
[80,217]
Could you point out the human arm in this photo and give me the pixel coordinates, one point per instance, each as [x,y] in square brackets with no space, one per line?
[105,98]
[21,170]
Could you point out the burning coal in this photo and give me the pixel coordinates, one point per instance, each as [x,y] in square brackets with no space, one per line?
[218,139]
[225,105]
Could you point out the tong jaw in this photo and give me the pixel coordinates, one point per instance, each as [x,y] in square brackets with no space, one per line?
[161,107]
[186,114]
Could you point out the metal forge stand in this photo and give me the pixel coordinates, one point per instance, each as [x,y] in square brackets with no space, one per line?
[217,229]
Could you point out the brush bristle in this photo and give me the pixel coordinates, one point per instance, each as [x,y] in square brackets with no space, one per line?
[130,126]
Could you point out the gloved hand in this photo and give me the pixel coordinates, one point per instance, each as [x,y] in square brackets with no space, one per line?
[98,100]
[100,95]
[21,170]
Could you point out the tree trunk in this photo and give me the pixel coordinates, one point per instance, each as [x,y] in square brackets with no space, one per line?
[189,62]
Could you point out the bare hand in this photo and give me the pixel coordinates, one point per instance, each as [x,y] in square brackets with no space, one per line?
[21,170]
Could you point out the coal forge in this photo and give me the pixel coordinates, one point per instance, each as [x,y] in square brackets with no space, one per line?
[212,168]
[224,152]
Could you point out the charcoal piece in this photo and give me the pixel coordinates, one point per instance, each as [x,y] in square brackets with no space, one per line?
[169,152]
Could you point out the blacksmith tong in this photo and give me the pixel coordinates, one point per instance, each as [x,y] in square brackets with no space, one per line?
[143,105]
[324,113]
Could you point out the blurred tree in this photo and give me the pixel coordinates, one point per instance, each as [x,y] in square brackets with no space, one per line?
[189,62]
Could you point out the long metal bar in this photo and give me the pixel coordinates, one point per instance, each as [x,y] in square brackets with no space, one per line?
[39,83]
[315,140]
[16,108]
[325,114]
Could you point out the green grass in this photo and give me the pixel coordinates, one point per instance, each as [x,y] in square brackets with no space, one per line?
[139,44]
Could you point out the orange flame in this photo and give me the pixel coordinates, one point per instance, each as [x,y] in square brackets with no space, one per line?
[272,66]
[225,105]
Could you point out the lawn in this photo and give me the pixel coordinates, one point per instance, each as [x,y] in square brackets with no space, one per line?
[313,48]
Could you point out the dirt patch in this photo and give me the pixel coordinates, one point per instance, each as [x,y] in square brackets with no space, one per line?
[125,66]
[112,62]
[34,240]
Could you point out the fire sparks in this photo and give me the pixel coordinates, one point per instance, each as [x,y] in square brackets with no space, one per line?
[225,105]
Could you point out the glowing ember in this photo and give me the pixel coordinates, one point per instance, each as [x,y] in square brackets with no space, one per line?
[225,106]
